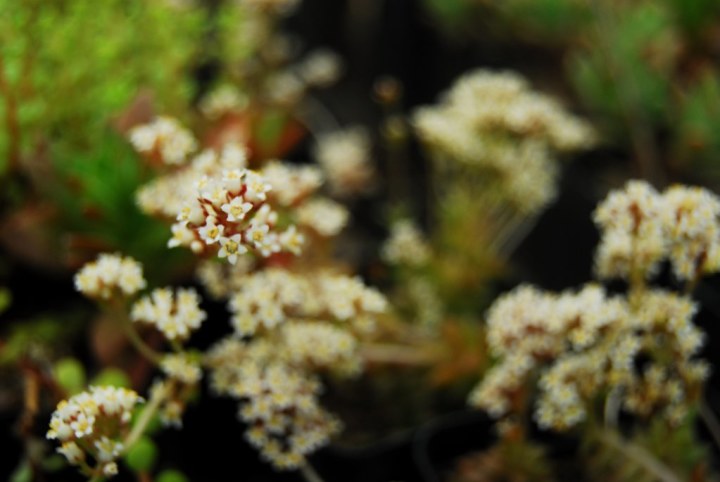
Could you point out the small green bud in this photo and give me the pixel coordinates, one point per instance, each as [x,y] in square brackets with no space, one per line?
[112,377]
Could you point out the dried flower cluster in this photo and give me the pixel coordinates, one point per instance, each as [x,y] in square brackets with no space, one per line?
[638,351]
[91,427]
[641,228]
[493,122]
[586,344]
[298,325]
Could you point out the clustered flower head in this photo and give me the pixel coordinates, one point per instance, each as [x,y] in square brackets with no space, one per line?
[163,140]
[181,367]
[222,100]
[321,68]
[641,228]
[492,122]
[271,297]
[91,426]
[291,184]
[585,344]
[324,216]
[176,314]
[109,275]
[345,157]
[406,245]
[167,195]
[222,207]
[230,213]
[289,327]
[279,400]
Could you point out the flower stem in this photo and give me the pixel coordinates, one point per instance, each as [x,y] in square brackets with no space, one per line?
[638,455]
[144,349]
[309,473]
[711,421]
[138,429]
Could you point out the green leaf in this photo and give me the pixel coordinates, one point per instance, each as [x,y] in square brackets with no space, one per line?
[171,476]
[22,473]
[70,374]
[141,456]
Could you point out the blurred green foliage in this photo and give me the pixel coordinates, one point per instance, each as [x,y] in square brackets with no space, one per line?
[67,65]
[38,333]
[645,70]
[113,377]
[95,196]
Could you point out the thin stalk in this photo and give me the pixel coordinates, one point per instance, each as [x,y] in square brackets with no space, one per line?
[640,456]
[711,422]
[612,408]
[142,347]
[309,473]
[139,428]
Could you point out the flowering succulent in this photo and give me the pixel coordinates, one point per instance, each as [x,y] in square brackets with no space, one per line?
[91,427]
[641,228]
[492,122]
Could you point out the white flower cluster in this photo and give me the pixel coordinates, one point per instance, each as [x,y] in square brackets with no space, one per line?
[279,401]
[166,195]
[222,100]
[93,424]
[584,344]
[345,157]
[288,328]
[406,245]
[324,216]
[163,140]
[320,68]
[291,184]
[231,213]
[176,315]
[641,228]
[181,367]
[110,274]
[220,205]
[493,123]
[270,297]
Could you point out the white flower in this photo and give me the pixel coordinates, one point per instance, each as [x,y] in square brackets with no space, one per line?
[211,232]
[236,209]
[231,247]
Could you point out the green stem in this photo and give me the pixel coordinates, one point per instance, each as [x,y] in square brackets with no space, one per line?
[309,473]
[151,409]
[638,455]
[137,341]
